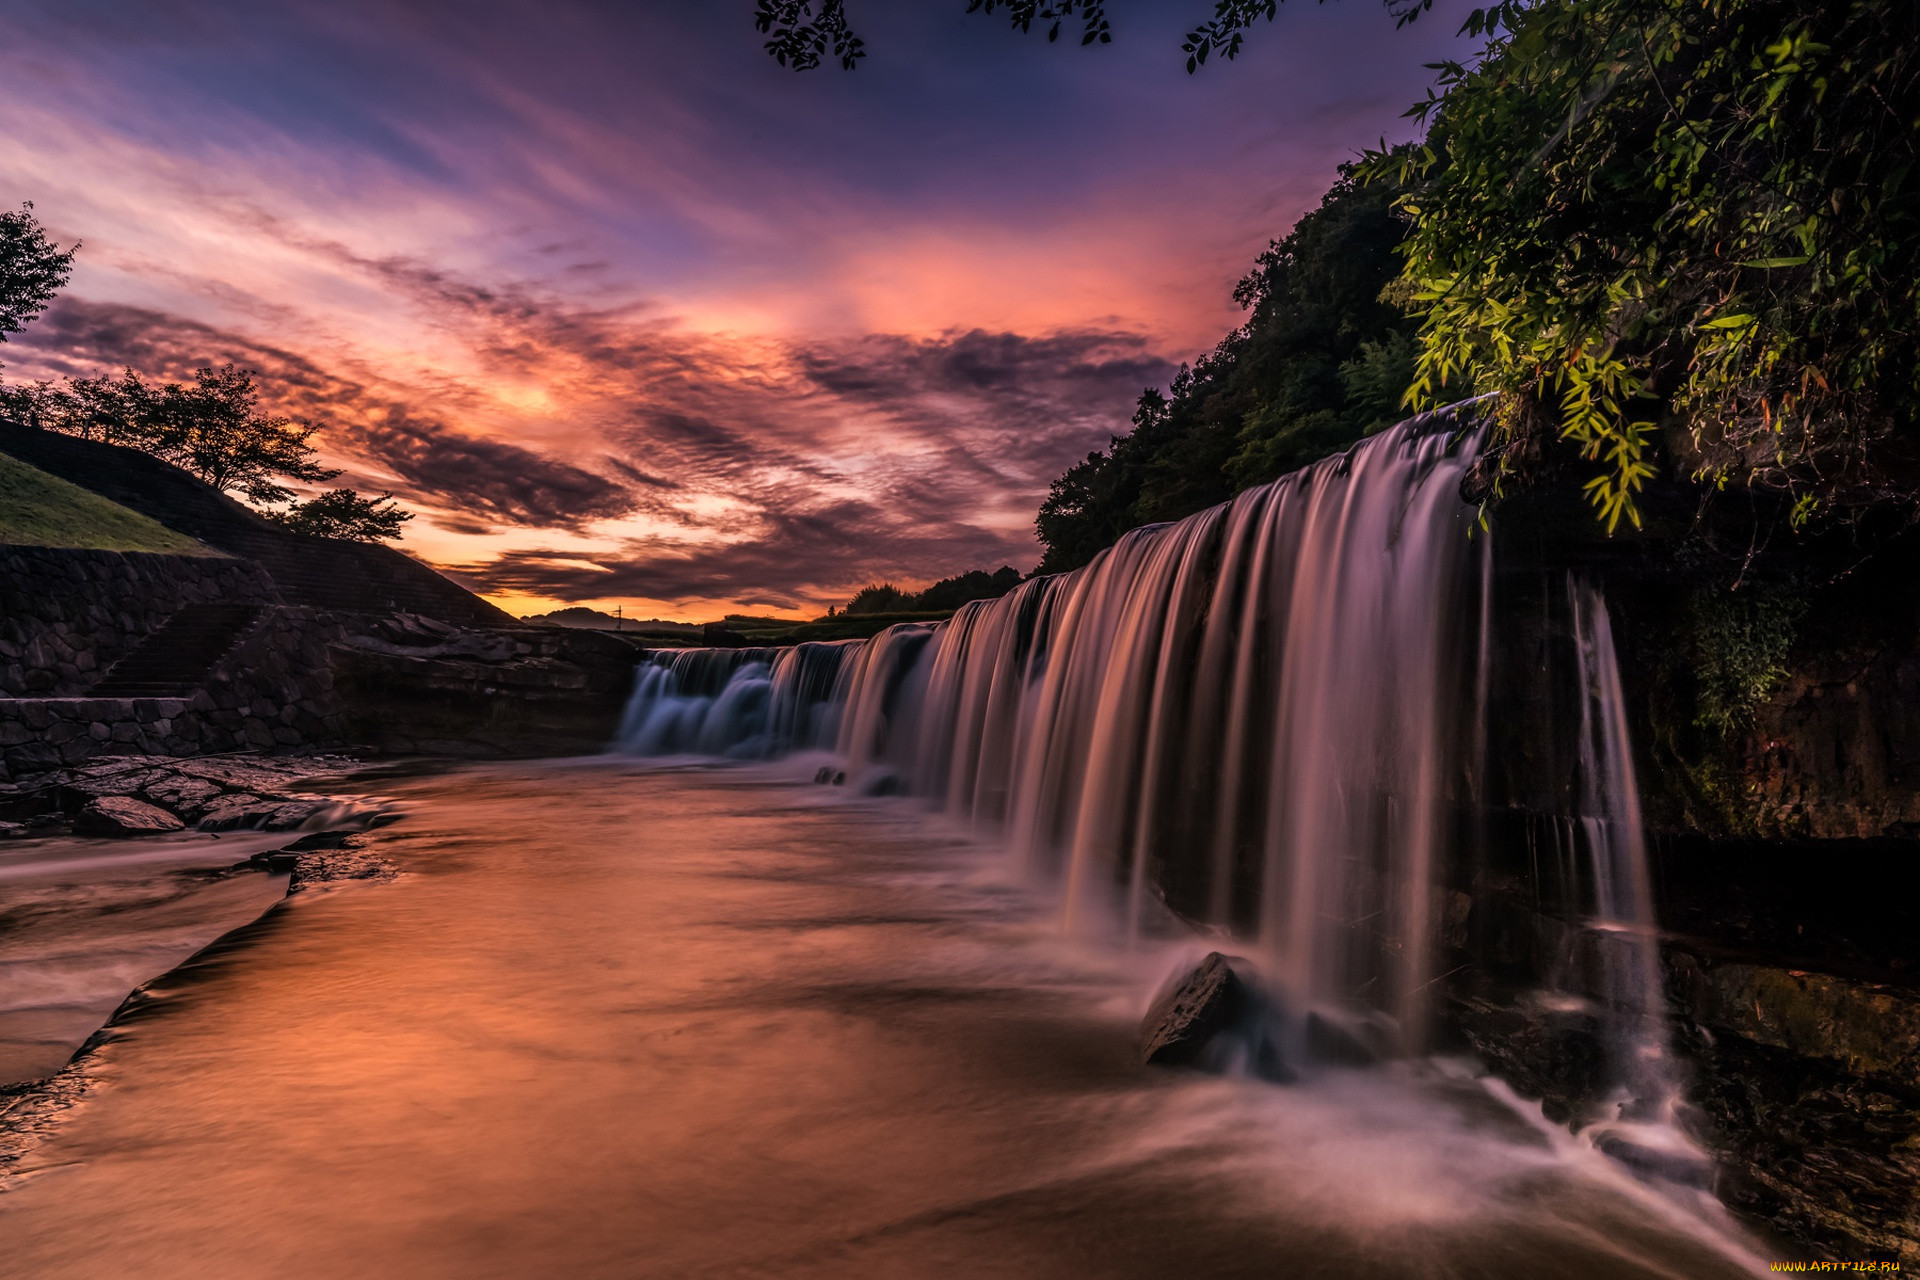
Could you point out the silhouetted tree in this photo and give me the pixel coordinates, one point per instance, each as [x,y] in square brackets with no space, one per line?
[946,594]
[213,428]
[802,32]
[880,597]
[32,269]
[344,513]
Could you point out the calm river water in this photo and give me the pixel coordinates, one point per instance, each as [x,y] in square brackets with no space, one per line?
[706,1022]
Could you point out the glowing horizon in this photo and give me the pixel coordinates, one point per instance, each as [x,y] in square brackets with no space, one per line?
[633,318]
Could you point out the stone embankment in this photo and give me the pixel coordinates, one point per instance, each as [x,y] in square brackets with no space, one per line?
[273,690]
[66,615]
[411,685]
[292,678]
[136,795]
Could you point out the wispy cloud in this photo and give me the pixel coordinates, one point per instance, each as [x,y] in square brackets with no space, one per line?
[629,313]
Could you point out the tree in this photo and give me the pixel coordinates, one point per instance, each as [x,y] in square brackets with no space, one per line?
[213,429]
[948,593]
[343,513]
[1322,361]
[32,269]
[1696,218]
[880,597]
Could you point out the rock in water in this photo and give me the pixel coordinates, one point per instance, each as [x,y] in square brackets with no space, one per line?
[1346,1041]
[1189,1015]
[123,816]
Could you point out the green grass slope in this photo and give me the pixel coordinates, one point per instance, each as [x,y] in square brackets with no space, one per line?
[39,510]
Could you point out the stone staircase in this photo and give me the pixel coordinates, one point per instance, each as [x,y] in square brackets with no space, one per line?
[176,660]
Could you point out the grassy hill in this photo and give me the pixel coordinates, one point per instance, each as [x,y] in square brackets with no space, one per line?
[39,510]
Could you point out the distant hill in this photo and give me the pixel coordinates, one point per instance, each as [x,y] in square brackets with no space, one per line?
[583,618]
[41,510]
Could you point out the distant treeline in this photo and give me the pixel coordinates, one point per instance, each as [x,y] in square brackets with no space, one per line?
[946,594]
[1324,359]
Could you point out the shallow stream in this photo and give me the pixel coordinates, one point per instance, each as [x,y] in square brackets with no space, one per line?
[623,1020]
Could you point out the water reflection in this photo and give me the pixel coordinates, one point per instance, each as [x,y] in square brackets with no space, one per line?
[698,1022]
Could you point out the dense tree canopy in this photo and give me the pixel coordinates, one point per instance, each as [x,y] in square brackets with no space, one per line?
[948,593]
[1322,360]
[1702,215]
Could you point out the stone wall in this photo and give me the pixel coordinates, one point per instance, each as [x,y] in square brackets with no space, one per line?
[414,686]
[303,678]
[41,734]
[68,615]
[273,690]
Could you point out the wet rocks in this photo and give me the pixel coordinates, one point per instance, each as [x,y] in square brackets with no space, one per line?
[211,793]
[123,816]
[1213,1016]
[322,858]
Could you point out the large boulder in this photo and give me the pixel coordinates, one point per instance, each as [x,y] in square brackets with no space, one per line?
[123,816]
[1215,1016]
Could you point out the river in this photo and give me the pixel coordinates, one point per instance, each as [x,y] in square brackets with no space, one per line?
[621,1019]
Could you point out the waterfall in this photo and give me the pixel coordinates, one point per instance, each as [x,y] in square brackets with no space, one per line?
[1613,965]
[1256,716]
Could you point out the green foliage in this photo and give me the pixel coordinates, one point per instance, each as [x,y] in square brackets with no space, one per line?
[1698,211]
[1322,360]
[343,513]
[213,429]
[32,269]
[946,595]
[1740,642]
[41,510]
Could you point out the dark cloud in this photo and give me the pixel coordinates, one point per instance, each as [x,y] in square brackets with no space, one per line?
[502,480]
[786,472]
[482,482]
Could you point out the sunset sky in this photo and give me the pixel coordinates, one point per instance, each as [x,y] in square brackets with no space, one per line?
[632,316]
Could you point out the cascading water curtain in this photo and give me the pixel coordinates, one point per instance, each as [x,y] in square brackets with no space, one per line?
[1623,973]
[1254,716]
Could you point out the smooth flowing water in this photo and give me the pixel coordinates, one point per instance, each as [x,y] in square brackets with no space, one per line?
[625,1021]
[1260,715]
[1268,720]
[83,922]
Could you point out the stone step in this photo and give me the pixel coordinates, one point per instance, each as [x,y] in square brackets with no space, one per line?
[177,659]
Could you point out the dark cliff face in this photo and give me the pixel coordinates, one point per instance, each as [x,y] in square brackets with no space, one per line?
[1773,676]
[1773,689]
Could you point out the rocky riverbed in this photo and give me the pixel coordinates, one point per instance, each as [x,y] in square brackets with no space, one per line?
[117,796]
